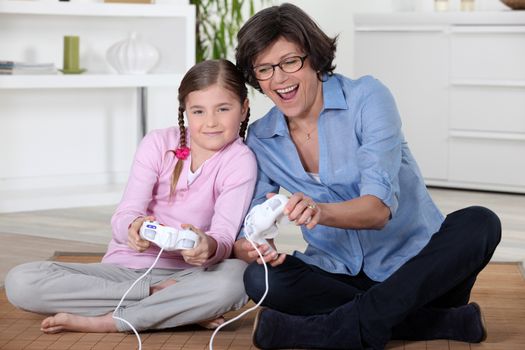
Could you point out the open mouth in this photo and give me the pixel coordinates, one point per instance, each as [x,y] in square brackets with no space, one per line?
[288,93]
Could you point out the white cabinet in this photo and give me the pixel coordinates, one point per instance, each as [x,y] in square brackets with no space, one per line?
[459,81]
[68,140]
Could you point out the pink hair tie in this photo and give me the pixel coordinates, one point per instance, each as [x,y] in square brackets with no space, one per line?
[182,153]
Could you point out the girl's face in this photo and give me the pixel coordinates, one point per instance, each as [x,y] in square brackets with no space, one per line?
[297,95]
[214,118]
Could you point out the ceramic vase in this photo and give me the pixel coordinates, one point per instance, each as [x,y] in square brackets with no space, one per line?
[132,56]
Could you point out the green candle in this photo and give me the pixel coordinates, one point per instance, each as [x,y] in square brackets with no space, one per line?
[71,55]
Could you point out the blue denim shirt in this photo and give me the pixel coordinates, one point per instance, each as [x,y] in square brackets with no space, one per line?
[362,151]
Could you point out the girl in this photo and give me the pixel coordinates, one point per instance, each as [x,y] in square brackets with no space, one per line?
[201,178]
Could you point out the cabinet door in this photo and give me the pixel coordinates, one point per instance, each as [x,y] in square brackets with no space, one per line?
[414,65]
[487,104]
[489,160]
[490,53]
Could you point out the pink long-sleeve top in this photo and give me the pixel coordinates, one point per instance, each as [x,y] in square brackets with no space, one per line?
[215,202]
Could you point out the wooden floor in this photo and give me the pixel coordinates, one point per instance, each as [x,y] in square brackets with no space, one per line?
[500,290]
[30,236]
[37,235]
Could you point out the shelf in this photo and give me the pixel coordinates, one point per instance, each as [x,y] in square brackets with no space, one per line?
[488,82]
[398,28]
[95,9]
[488,29]
[88,81]
[433,19]
[114,107]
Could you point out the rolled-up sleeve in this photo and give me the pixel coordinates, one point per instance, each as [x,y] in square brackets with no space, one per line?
[379,155]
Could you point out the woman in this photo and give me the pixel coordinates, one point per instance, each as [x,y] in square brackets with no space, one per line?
[382,262]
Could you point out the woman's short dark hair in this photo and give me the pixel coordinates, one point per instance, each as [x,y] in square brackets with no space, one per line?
[292,23]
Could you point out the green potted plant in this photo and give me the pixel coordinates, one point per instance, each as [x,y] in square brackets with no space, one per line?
[217,24]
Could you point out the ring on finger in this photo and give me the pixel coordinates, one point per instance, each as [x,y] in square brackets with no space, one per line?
[312,206]
[308,220]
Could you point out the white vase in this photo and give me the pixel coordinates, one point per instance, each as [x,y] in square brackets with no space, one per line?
[132,56]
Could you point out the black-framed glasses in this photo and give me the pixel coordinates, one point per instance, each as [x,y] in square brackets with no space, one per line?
[288,65]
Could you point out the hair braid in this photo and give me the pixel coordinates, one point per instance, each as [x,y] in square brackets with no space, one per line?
[182,128]
[244,125]
[182,143]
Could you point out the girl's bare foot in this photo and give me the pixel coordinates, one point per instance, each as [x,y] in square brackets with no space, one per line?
[160,286]
[212,324]
[69,322]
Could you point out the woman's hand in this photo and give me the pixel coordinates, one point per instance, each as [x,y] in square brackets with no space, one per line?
[134,240]
[205,249]
[244,250]
[302,210]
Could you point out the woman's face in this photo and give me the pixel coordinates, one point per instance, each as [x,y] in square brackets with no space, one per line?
[214,118]
[297,95]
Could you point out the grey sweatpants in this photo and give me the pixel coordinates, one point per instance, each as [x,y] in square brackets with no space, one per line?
[200,294]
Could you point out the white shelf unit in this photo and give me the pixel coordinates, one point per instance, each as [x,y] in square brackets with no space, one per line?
[69,140]
[94,9]
[459,80]
[88,81]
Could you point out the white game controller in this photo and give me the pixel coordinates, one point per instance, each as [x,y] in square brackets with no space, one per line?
[261,222]
[167,237]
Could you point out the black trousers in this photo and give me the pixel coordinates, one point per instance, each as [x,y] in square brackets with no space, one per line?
[440,276]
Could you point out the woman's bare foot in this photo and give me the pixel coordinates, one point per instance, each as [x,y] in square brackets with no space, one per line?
[69,322]
[212,324]
[160,286]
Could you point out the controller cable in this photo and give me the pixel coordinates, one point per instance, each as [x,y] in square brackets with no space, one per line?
[124,296]
[253,307]
[219,327]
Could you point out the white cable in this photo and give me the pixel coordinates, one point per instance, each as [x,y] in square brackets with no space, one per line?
[124,296]
[253,307]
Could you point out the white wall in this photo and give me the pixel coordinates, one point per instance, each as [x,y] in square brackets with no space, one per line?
[335,17]
[94,144]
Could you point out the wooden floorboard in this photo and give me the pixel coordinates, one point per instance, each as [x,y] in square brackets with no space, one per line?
[500,291]
[36,234]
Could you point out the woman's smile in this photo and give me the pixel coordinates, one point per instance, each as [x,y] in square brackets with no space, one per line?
[288,93]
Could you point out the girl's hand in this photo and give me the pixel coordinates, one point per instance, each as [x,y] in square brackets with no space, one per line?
[244,250]
[134,240]
[205,249]
[302,210]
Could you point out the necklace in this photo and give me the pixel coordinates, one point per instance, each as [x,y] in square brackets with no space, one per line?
[308,137]
[308,133]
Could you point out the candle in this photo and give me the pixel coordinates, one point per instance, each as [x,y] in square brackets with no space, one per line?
[71,53]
